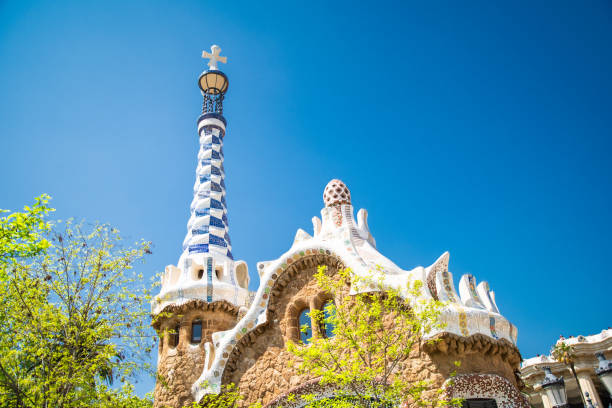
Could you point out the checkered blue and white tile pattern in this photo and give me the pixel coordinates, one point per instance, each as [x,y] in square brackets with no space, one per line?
[207,229]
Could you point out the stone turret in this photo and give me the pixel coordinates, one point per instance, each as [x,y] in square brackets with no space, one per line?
[204,292]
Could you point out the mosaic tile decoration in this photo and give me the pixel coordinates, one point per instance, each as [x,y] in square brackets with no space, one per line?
[492,327]
[505,394]
[472,285]
[448,286]
[512,333]
[209,281]
[462,317]
[198,248]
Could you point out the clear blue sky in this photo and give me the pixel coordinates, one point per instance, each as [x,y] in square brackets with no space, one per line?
[473,127]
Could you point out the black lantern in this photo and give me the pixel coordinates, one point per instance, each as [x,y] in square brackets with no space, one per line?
[213,82]
[555,389]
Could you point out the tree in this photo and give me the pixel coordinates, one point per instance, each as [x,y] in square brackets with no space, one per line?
[73,313]
[374,332]
[22,233]
[564,353]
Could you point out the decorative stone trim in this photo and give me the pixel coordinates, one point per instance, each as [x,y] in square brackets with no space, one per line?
[449,343]
[486,386]
[196,304]
[439,266]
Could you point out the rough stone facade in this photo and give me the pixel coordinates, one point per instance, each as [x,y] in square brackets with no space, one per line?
[260,363]
[260,366]
[179,366]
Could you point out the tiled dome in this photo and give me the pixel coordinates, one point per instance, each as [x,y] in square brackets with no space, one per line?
[336,193]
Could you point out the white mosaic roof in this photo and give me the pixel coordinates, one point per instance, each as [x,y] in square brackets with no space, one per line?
[472,311]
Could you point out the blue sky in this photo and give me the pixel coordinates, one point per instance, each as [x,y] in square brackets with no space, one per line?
[482,129]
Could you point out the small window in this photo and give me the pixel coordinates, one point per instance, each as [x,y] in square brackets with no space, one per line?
[305,326]
[200,273]
[219,272]
[196,331]
[174,336]
[327,327]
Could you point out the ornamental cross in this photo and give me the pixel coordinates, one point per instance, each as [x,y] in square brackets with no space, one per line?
[214,57]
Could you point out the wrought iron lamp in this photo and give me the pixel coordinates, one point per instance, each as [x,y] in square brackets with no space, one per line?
[555,389]
[213,82]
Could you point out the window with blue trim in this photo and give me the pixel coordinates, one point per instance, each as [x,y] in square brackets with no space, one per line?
[305,326]
[196,331]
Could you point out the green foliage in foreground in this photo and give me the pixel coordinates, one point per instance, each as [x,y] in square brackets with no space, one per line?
[73,313]
[374,332]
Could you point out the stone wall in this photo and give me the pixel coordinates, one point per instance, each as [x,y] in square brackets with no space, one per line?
[267,377]
[260,364]
[178,367]
[261,368]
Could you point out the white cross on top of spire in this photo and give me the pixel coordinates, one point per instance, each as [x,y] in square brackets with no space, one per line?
[214,57]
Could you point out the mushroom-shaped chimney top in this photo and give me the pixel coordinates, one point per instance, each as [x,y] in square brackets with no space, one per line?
[336,193]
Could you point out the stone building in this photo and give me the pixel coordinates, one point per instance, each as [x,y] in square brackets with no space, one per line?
[214,332]
[590,359]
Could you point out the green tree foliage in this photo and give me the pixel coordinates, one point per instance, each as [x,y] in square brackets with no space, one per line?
[22,233]
[73,313]
[374,332]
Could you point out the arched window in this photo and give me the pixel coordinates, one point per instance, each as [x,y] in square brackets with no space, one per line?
[174,335]
[196,331]
[305,326]
[327,328]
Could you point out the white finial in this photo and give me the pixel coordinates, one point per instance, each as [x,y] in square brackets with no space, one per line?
[214,57]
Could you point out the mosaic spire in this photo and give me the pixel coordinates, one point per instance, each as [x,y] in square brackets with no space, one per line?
[206,269]
[207,229]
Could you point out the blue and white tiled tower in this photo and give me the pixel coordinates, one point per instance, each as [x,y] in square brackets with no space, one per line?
[206,269]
